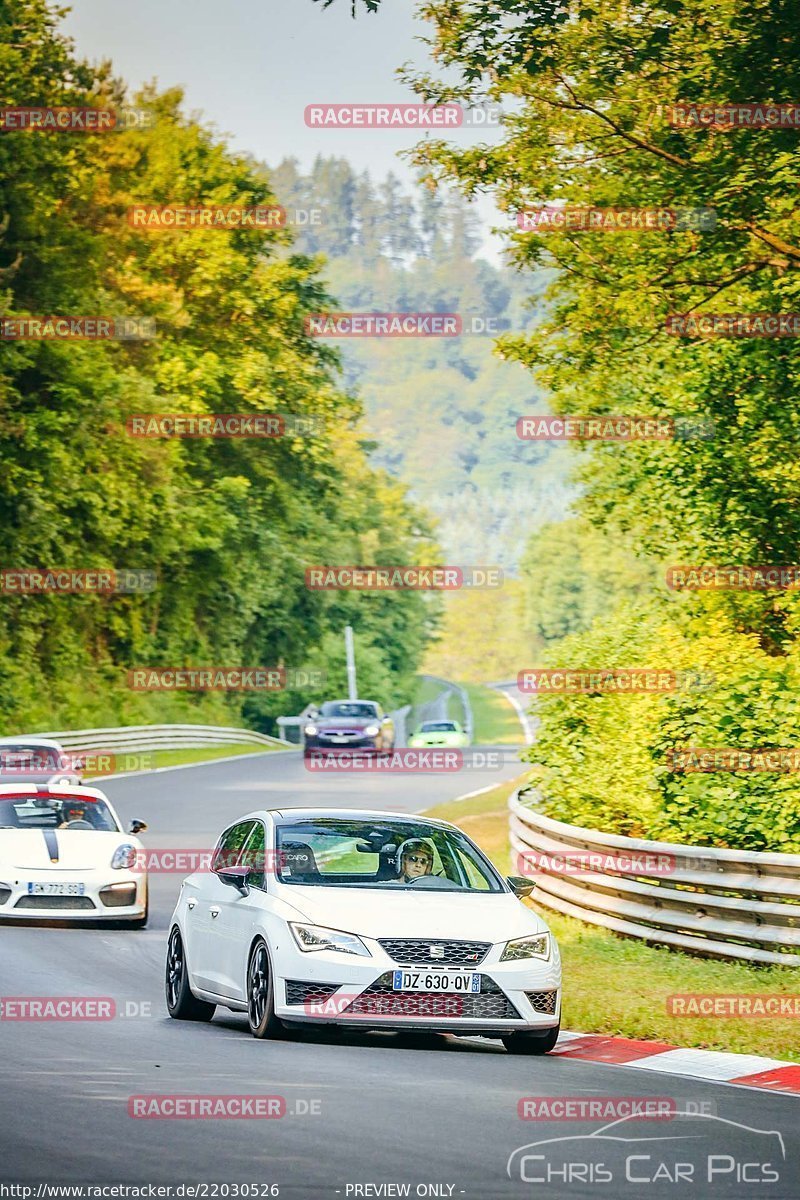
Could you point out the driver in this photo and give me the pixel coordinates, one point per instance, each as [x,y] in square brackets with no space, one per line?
[70,813]
[416,859]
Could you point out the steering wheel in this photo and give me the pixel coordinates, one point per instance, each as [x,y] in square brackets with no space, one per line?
[79,825]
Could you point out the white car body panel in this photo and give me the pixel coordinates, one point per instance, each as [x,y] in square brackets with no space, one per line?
[219,925]
[83,856]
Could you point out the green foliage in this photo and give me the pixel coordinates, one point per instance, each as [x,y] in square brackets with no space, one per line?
[573,572]
[586,92]
[603,760]
[481,638]
[228,526]
[443,411]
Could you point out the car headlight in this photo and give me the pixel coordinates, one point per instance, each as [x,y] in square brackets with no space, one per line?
[124,857]
[537,946]
[310,730]
[372,730]
[317,937]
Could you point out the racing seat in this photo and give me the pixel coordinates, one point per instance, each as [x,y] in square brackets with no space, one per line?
[297,859]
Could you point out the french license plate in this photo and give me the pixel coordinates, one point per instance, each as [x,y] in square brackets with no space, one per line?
[55,889]
[436,981]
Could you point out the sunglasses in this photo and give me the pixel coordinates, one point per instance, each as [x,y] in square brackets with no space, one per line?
[420,859]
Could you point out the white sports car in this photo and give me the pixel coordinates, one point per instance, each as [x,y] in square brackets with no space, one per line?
[65,856]
[362,918]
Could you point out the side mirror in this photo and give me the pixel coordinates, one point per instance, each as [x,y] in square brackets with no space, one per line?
[137,826]
[520,886]
[238,877]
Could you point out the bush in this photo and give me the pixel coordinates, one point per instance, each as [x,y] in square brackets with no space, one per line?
[603,760]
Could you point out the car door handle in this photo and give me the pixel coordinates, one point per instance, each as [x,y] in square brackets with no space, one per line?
[214,912]
[190,903]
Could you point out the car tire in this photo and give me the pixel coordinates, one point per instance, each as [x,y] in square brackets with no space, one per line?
[182,1004]
[532,1043]
[260,993]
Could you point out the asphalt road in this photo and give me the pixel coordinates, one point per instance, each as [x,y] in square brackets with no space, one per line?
[364,1111]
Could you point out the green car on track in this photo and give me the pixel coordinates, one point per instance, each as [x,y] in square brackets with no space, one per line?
[438,733]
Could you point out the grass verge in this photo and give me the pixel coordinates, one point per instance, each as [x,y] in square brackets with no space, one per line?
[494,717]
[619,985]
[143,760]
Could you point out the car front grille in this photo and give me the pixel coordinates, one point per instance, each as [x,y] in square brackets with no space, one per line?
[300,992]
[543,1002]
[417,952]
[380,1000]
[54,902]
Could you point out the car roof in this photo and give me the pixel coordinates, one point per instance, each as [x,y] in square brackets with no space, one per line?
[22,739]
[59,790]
[347,701]
[292,816]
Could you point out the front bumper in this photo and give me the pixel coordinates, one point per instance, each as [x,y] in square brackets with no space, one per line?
[325,987]
[357,743]
[108,895]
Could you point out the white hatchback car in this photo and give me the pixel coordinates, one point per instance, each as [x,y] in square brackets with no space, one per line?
[64,856]
[362,918]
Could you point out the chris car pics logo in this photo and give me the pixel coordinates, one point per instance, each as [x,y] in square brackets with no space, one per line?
[694,1153]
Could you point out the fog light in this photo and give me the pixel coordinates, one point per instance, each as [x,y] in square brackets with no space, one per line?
[118,895]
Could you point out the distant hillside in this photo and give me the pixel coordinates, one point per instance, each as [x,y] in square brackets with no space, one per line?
[443,411]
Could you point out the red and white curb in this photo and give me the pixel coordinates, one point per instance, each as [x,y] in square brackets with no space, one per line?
[745,1070]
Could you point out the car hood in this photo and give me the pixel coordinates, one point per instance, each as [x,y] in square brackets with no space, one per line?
[374,913]
[78,849]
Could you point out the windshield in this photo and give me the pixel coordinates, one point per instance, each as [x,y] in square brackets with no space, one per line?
[73,812]
[345,708]
[383,854]
[438,727]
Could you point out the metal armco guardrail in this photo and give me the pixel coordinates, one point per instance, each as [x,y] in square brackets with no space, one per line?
[732,904]
[157,737]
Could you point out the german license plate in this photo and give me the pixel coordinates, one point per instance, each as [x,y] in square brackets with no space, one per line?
[55,889]
[436,981]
